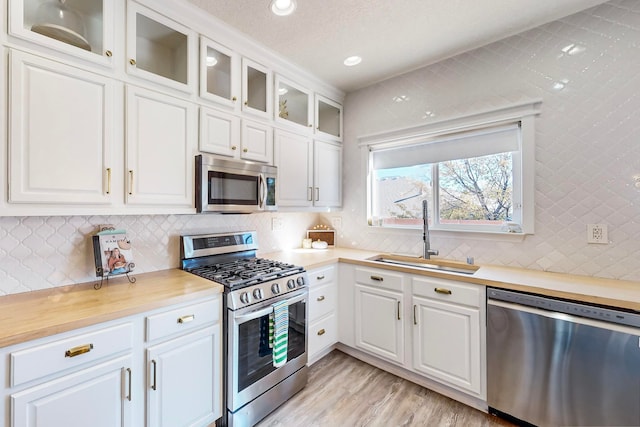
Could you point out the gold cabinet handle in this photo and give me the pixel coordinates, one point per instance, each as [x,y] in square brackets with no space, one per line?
[245,150]
[132,61]
[317,193]
[187,319]
[310,125]
[108,180]
[320,277]
[320,298]
[77,351]
[398,310]
[415,317]
[321,332]
[310,193]
[246,102]
[154,386]
[233,147]
[129,389]
[234,99]
[377,278]
[130,182]
[444,291]
[108,53]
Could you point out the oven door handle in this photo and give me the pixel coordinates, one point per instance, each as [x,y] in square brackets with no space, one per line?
[267,310]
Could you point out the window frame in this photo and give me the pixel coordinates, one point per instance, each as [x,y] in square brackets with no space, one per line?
[523,160]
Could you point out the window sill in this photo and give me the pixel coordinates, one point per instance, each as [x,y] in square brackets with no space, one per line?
[452,233]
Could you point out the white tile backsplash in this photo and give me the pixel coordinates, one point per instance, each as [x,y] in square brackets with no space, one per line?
[587,140]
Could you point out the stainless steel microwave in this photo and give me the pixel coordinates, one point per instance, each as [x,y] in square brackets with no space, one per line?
[232,186]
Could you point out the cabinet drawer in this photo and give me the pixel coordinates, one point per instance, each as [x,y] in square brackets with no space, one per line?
[183,319]
[379,278]
[321,276]
[322,334]
[446,290]
[69,353]
[322,301]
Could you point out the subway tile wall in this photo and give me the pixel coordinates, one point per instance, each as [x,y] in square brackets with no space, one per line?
[585,70]
[45,252]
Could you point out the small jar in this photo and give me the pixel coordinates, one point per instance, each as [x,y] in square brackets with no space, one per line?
[306,243]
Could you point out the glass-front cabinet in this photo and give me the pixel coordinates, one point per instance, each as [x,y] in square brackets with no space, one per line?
[159,49]
[83,28]
[294,104]
[257,88]
[328,118]
[219,73]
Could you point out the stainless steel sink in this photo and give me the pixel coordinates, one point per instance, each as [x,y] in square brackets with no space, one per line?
[423,264]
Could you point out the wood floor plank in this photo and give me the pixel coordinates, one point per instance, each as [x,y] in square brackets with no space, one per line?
[344,391]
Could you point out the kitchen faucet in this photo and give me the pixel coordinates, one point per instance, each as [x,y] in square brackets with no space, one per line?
[427,251]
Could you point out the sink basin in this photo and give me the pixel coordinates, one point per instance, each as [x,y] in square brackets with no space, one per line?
[426,264]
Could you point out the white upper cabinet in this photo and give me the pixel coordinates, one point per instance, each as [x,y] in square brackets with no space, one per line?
[328,118]
[219,132]
[257,88]
[219,74]
[160,149]
[327,174]
[293,104]
[83,28]
[60,143]
[159,49]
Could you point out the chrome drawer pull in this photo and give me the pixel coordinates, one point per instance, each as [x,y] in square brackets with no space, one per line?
[129,395]
[187,319]
[377,278]
[320,277]
[76,351]
[321,332]
[320,298]
[443,291]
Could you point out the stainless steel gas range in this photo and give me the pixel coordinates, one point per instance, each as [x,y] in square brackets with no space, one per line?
[254,288]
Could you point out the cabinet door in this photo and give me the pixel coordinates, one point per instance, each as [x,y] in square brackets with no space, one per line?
[159,49]
[219,132]
[219,73]
[379,322]
[327,174]
[43,22]
[257,88]
[293,104]
[293,157]
[60,141]
[257,142]
[160,149]
[446,343]
[184,380]
[328,118]
[99,397]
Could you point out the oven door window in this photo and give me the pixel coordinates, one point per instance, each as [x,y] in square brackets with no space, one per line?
[233,189]
[255,360]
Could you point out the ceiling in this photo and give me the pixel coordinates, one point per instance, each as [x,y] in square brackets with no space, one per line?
[392,37]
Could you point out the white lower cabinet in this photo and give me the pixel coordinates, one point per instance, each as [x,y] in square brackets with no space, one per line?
[323,316]
[378,313]
[447,332]
[94,376]
[430,326]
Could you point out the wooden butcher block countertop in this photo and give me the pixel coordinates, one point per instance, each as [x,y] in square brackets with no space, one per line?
[616,293]
[30,315]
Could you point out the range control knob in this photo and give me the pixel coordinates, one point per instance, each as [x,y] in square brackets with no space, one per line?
[275,288]
[244,297]
[291,284]
[257,293]
[300,281]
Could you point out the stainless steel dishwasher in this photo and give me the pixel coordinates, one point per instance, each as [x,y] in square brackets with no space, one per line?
[552,362]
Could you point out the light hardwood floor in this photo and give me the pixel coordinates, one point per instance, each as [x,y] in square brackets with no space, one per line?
[343,391]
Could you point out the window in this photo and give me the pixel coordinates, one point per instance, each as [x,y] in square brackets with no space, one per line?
[475,177]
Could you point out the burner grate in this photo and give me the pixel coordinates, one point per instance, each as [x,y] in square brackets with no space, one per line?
[245,271]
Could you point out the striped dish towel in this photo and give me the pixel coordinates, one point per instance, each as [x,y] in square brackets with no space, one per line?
[279,333]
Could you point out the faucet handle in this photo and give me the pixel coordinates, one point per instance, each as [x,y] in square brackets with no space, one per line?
[433,252]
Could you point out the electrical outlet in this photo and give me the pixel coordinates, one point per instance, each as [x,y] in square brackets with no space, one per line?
[336,222]
[277,224]
[597,233]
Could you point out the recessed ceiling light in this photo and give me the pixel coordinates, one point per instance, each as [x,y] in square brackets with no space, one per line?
[283,7]
[352,60]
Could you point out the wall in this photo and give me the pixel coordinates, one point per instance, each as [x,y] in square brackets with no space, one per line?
[45,252]
[587,140]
